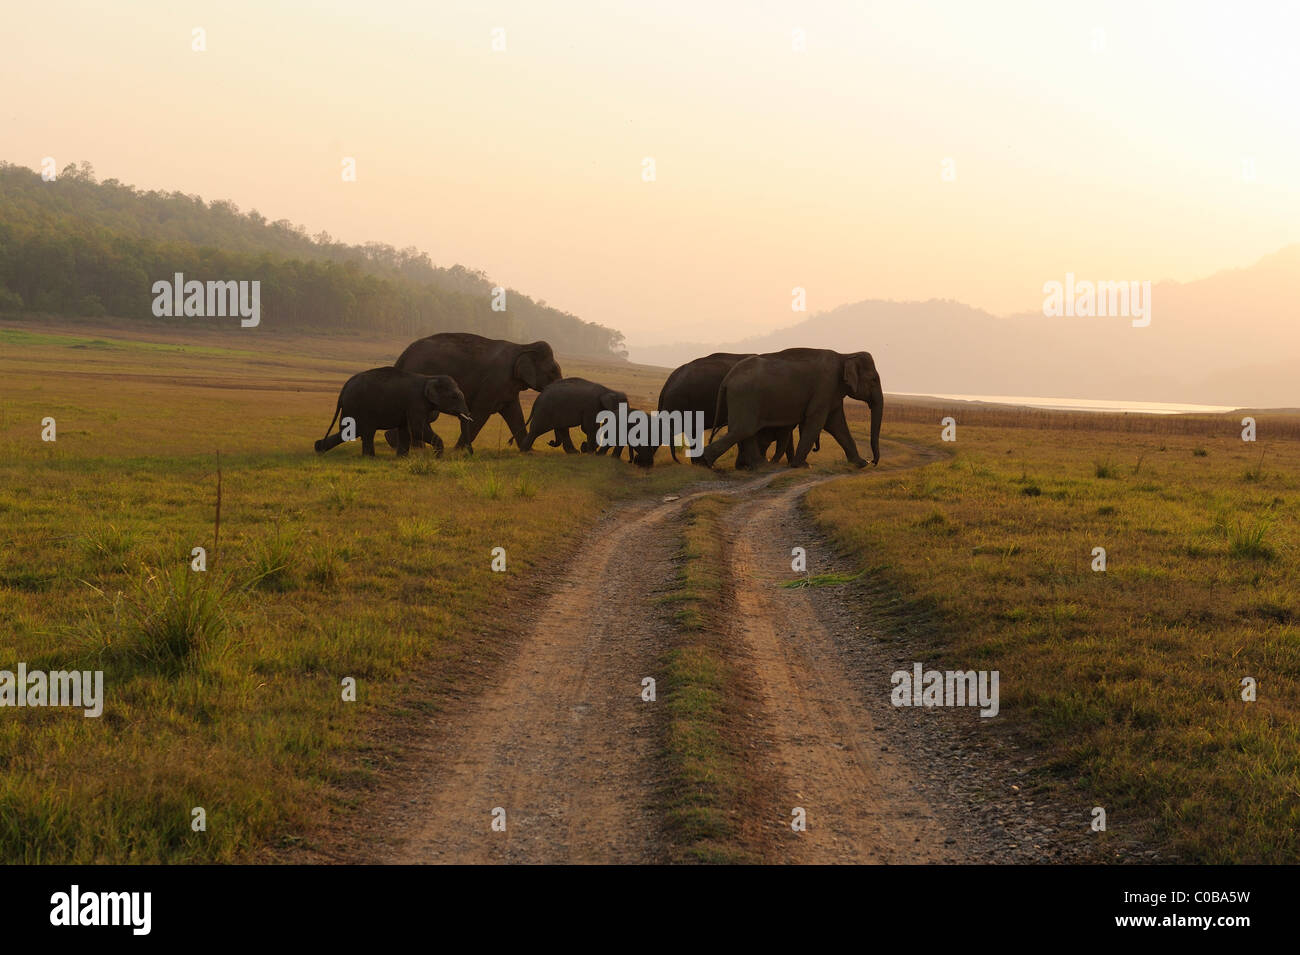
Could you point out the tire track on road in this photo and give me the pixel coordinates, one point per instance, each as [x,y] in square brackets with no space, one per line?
[863,803]
[563,742]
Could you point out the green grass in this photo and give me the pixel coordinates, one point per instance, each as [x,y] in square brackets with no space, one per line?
[822,580]
[223,687]
[1126,684]
[706,784]
[14,337]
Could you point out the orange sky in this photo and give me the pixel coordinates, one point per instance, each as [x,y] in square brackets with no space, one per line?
[775,168]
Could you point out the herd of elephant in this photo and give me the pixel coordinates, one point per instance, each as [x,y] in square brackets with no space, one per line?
[760,399]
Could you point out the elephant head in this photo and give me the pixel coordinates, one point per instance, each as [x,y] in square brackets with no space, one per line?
[442,392]
[862,381]
[610,401]
[536,366]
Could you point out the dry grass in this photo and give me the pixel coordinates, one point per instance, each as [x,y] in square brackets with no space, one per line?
[1127,680]
[223,689]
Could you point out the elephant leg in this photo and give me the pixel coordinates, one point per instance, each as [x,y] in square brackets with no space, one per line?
[718,448]
[809,429]
[391,436]
[838,426]
[403,442]
[530,436]
[469,430]
[564,440]
[514,416]
[368,442]
[749,456]
[435,443]
[417,424]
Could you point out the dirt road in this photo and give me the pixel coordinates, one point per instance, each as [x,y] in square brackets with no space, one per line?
[861,803]
[564,745]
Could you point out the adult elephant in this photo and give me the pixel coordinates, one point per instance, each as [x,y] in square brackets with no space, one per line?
[798,386]
[694,387]
[489,371]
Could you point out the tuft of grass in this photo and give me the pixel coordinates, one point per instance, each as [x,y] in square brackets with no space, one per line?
[488,485]
[108,547]
[324,564]
[525,487]
[1106,469]
[1199,452]
[341,493]
[1256,474]
[1248,540]
[1031,490]
[417,531]
[173,620]
[273,559]
[933,519]
[421,462]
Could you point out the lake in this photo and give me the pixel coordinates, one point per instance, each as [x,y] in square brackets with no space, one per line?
[1082,404]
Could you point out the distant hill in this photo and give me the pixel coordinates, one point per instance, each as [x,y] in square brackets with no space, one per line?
[1232,339]
[78,247]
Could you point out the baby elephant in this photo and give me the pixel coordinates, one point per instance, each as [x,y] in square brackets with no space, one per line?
[571,403]
[384,398]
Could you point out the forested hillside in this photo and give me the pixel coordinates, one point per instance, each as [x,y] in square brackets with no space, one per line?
[82,248]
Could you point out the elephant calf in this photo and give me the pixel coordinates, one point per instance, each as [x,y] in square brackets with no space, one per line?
[384,398]
[572,403]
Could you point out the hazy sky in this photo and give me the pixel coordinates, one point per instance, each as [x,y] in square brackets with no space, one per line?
[775,168]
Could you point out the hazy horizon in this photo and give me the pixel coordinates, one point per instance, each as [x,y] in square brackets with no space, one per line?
[1114,141]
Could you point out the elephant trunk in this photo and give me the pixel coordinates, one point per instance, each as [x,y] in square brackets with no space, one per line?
[877,412]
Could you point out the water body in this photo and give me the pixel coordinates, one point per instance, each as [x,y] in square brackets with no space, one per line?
[1082,404]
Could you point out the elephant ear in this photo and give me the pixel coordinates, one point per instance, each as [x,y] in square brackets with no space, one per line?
[853,376]
[526,368]
[431,390]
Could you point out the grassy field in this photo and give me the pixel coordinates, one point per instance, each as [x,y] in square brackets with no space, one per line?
[225,687]
[1128,680]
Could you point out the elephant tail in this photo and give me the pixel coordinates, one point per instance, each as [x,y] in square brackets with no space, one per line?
[337,409]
